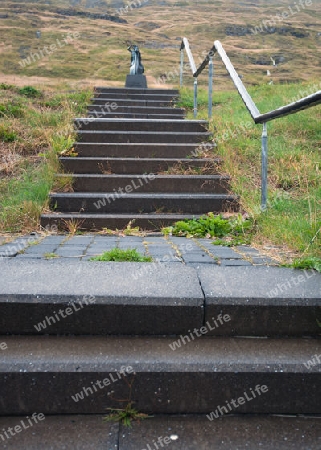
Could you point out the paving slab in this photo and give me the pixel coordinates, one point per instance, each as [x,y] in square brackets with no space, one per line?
[130,298]
[224,252]
[40,249]
[227,433]
[248,250]
[263,301]
[234,262]
[200,257]
[40,256]
[54,239]
[70,432]
[262,260]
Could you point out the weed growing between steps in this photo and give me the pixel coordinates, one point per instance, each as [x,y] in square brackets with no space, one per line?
[122,255]
[127,414]
[35,127]
[230,231]
[293,216]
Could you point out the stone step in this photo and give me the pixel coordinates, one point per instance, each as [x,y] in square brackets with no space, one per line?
[131,102]
[239,432]
[135,165]
[245,376]
[136,110]
[141,202]
[142,137]
[141,125]
[137,150]
[149,183]
[138,116]
[106,90]
[95,222]
[109,298]
[137,96]
[82,432]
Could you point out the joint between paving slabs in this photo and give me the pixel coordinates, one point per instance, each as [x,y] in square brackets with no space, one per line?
[207,251]
[177,250]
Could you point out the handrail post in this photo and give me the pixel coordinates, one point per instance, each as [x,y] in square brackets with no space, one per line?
[181,68]
[195,97]
[210,86]
[264,168]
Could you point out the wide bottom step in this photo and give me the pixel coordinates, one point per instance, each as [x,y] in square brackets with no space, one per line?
[83,432]
[161,375]
[94,222]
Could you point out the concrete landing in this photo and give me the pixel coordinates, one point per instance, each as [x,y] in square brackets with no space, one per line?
[154,298]
[161,432]
[163,250]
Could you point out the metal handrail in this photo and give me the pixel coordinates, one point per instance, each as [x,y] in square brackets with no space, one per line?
[291,108]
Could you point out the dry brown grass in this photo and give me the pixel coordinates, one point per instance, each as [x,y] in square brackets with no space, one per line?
[100,55]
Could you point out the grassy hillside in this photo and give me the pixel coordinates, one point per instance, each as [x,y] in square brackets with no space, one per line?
[290,36]
[34,127]
[293,216]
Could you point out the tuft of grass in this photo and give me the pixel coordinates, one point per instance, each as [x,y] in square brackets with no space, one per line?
[6,87]
[30,91]
[121,255]
[51,255]
[73,226]
[11,109]
[307,263]
[7,134]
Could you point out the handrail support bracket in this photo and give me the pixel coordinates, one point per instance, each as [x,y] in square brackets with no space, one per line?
[210,87]
[195,98]
[264,168]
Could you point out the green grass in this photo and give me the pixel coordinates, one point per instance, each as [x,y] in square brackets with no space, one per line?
[293,216]
[307,263]
[32,134]
[122,255]
[51,255]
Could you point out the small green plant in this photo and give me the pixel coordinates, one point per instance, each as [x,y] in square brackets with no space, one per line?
[29,91]
[50,255]
[211,225]
[307,263]
[121,255]
[125,415]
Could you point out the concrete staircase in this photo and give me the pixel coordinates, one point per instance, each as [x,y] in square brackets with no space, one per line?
[135,163]
[121,321]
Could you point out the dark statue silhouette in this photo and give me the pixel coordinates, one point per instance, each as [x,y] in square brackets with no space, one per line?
[136,66]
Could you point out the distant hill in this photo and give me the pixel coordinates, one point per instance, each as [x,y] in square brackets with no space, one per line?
[266,40]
